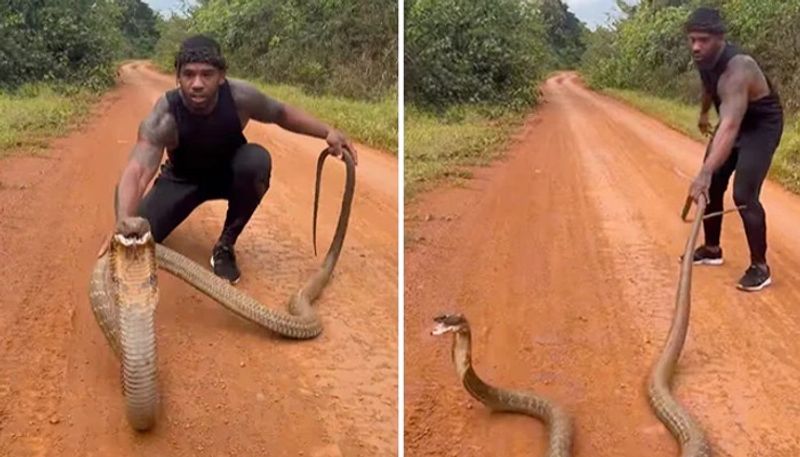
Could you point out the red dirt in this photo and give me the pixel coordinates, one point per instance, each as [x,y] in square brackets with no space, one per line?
[564,256]
[228,387]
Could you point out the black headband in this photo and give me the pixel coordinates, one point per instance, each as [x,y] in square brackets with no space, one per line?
[200,49]
[705,20]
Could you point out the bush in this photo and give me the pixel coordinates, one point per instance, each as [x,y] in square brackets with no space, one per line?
[473,51]
[65,42]
[342,47]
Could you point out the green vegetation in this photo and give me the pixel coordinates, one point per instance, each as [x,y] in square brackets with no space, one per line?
[439,147]
[644,59]
[370,122]
[564,33]
[72,42]
[473,51]
[35,113]
[336,59]
[678,115]
[647,49]
[56,56]
[346,48]
[472,70]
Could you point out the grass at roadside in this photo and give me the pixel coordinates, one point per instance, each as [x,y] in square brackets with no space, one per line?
[438,147]
[680,116]
[683,117]
[373,123]
[36,113]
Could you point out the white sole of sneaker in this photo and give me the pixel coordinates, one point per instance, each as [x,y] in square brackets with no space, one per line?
[712,262]
[756,288]
[234,282]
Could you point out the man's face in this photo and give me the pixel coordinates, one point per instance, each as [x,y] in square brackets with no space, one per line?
[199,84]
[705,47]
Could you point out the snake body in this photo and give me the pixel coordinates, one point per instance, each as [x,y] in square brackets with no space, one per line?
[503,400]
[123,294]
[680,423]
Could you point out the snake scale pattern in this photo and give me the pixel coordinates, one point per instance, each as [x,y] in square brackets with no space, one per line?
[680,423]
[123,294]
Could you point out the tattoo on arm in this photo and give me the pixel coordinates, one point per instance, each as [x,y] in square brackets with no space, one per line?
[733,89]
[257,105]
[156,132]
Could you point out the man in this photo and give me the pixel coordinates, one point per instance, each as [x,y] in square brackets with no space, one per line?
[749,130]
[200,125]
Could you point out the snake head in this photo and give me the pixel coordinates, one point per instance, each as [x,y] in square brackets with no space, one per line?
[132,231]
[449,323]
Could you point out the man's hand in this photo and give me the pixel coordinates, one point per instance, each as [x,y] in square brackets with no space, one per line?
[700,185]
[336,141]
[704,125]
[104,245]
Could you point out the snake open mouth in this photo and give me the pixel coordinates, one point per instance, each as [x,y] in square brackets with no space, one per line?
[442,328]
[132,240]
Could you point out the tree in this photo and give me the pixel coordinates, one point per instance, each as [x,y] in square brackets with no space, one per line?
[139,25]
[564,32]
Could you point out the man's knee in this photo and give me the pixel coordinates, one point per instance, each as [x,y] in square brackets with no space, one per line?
[253,162]
[745,194]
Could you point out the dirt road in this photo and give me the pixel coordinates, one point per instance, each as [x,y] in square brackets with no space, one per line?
[565,258]
[228,387]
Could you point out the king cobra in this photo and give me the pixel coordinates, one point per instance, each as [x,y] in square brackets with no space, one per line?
[503,400]
[682,426]
[123,294]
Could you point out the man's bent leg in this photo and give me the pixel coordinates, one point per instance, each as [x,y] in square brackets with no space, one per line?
[168,203]
[251,170]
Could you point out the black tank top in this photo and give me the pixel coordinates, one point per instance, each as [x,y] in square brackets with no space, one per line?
[205,142]
[765,109]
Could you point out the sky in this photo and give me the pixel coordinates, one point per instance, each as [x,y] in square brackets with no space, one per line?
[591,12]
[164,6]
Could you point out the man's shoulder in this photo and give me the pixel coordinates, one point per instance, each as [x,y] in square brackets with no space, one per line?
[742,69]
[241,90]
[253,102]
[160,126]
[162,110]
[742,61]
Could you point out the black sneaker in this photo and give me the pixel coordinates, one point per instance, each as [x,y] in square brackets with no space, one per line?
[755,278]
[223,261]
[705,256]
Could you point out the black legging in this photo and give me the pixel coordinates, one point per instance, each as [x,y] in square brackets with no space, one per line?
[751,158]
[172,198]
